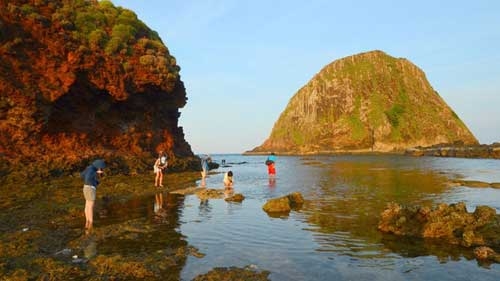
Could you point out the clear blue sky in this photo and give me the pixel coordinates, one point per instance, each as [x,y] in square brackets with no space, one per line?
[241,61]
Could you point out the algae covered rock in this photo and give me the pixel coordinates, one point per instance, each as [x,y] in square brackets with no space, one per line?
[486,254]
[238,197]
[284,204]
[451,223]
[210,193]
[86,79]
[233,274]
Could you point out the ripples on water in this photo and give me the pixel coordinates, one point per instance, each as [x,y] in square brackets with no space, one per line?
[334,235]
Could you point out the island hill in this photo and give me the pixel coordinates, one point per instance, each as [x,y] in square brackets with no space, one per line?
[84,79]
[363,103]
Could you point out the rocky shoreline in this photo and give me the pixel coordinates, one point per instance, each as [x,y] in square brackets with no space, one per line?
[42,235]
[41,228]
[451,224]
[462,151]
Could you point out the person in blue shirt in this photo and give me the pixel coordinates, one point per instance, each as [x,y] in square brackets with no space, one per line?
[90,183]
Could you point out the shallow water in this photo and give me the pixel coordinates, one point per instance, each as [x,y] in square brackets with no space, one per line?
[334,236]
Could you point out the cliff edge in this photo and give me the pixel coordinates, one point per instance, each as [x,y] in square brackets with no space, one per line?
[84,79]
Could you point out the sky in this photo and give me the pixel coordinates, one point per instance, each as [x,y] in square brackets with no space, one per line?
[242,61]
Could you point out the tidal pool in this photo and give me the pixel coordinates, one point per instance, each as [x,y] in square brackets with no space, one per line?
[143,233]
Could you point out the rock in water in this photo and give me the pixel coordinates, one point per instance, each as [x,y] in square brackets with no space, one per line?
[451,223]
[365,102]
[284,204]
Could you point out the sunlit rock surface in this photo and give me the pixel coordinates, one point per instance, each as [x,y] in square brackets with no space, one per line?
[451,223]
[81,79]
[284,204]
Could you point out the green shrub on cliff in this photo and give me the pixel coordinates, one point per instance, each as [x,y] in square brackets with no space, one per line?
[102,25]
[97,39]
[121,35]
[394,114]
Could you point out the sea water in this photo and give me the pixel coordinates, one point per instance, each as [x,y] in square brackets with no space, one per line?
[334,235]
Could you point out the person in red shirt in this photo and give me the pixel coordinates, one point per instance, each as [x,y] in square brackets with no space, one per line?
[270,162]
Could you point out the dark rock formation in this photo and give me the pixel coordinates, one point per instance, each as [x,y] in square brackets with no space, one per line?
[452,223]
[81,79]
[284,204]
[457,150]
[365,102]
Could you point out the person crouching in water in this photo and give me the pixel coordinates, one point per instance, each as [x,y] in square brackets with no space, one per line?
[90,182]
[228,180]
[161,163]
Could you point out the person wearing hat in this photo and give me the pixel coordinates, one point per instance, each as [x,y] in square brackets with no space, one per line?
[90,182]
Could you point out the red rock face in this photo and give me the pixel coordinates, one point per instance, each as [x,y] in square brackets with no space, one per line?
[64,101]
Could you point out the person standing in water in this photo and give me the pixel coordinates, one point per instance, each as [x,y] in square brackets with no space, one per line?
[204,168]
[161,163]
[270,162]
[90,182]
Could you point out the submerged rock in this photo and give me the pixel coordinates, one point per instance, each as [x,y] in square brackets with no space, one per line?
[284,204]
[187,191]
[233,274]
[451,223]
[238,197]
[209,193]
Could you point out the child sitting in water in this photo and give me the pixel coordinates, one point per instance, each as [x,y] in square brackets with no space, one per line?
[228,180]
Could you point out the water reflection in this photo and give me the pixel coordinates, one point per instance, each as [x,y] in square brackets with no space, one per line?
[140,229]
[272,182]
[90,249]
[351,195]
[335,233]
[204,208]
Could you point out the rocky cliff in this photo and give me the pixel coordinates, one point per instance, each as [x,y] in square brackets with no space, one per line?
[81,79]
[365,102]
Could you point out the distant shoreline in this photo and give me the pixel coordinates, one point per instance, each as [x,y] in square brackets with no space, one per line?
[326,152]
[486,151]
